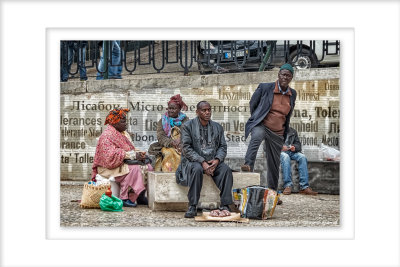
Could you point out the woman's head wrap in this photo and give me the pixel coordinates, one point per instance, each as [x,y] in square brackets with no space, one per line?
[116,115]
[177,99]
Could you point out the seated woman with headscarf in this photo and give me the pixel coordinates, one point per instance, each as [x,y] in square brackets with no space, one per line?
[114,146]
[168,148]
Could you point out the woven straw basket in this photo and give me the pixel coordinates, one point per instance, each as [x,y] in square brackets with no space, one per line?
[91,195]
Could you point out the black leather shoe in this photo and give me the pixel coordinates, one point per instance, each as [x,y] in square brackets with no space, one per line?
[128,203]
[225,207]
[142,199]
[192,211]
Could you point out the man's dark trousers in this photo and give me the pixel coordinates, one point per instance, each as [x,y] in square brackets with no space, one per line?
[222,178]
[272,147]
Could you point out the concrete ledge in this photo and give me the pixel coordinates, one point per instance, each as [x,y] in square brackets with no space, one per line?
[153,81]
[324,177]
[165,194]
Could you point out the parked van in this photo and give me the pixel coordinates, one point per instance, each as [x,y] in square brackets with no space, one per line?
[305,54]
[224,56]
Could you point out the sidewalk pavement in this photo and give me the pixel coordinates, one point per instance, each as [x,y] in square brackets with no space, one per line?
[296,211]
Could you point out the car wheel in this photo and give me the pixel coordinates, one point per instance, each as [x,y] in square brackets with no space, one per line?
[304,60]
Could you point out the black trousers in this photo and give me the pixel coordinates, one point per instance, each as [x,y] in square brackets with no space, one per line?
[272,148]
[222,178]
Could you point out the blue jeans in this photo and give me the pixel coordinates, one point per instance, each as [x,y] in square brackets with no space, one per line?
[286,156]
[70,48]
[115,66]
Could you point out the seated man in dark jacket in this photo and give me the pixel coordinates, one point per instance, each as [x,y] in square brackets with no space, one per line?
[292,150]
[204,150]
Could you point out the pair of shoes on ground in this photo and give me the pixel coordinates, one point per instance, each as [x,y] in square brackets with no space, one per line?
[191,212]
[245,168]
[128,203]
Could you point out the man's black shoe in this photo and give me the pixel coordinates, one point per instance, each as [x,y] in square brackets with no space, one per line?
[225,207]
[192,211]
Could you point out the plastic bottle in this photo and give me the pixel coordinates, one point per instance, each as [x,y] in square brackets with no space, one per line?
[108,192]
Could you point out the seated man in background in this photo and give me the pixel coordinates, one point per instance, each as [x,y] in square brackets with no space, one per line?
[113,148]
[203,151]
[292,150]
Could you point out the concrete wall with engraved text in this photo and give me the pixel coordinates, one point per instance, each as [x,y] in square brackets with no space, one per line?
[84,106]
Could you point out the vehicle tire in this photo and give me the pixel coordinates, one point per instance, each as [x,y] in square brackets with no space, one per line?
[304,60]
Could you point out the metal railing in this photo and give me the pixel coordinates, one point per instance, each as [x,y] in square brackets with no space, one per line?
[181,56]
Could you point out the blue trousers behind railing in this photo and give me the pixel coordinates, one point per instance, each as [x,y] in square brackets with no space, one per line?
[115,66]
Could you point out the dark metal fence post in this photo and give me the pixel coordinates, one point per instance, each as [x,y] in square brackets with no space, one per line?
[105,58]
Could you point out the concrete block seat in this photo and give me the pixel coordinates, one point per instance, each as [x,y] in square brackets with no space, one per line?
[165,194]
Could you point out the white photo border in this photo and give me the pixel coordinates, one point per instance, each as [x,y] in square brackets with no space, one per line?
[346,229]
[27,237]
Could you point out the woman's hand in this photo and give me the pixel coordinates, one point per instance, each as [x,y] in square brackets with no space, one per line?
[130,154]
[140,155]
[176,143]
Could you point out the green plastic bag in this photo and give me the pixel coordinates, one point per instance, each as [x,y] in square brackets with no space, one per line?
[110,203]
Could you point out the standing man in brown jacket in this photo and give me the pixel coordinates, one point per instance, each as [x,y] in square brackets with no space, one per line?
[271,106]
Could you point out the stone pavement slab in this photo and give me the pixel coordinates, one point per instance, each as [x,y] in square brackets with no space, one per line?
[296,211]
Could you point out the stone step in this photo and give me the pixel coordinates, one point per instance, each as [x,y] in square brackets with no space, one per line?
[165,194]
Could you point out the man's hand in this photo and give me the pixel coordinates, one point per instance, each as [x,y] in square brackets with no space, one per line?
[213,165]
[292,148]
[285,148]
[206,167]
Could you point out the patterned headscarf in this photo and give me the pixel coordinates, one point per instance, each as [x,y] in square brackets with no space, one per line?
[116,115]
[169,123]
[177,99]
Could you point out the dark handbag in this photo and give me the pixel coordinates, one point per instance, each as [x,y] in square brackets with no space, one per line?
[180,178]
[256,202]
[146,161]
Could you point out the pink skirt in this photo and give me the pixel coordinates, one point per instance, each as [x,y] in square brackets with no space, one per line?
[134,180]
